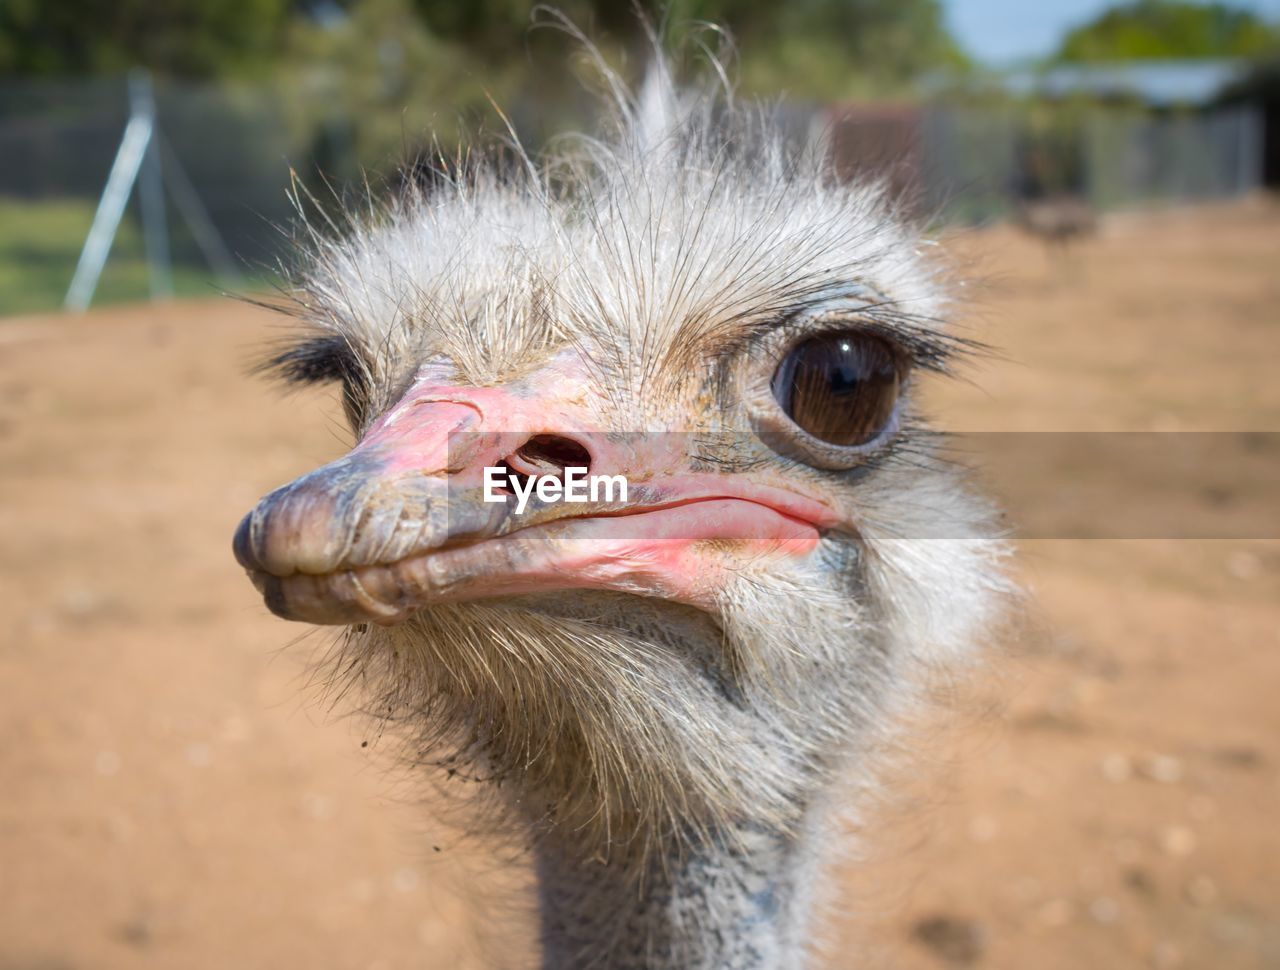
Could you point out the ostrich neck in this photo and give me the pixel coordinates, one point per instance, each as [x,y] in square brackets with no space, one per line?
[738,903]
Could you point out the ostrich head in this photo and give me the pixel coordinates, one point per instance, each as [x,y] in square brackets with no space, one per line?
[663,691]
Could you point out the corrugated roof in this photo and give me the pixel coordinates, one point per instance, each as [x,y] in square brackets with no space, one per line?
[1156,82]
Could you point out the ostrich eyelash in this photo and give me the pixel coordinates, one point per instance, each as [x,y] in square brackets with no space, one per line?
[317,360]
[919,339]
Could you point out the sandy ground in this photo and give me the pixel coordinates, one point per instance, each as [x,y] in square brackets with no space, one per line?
[172,794]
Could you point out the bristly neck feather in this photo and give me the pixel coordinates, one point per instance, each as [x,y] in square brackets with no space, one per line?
[740,901]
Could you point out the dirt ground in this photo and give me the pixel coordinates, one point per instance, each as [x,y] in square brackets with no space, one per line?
[172,794]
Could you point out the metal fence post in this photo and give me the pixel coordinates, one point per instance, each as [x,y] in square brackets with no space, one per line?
[155,230]
[106,221]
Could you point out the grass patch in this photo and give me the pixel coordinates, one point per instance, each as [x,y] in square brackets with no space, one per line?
[40,242]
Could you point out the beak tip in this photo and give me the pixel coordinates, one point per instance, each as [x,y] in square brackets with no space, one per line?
[242,545]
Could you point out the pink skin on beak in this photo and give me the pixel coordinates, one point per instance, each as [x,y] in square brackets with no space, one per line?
[399,523]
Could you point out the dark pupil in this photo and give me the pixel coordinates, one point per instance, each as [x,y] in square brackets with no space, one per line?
[840,388]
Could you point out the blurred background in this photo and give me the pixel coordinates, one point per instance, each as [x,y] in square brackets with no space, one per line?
[176,792]
[975,106]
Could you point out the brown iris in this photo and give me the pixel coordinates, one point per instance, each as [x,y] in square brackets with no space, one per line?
[840,387]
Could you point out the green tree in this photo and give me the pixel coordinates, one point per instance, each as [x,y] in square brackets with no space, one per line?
[185,38]
[388,70]
[823,48]
[1169,29]
[813,47]
[377,80]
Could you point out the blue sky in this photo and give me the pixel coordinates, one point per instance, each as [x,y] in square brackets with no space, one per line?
[999,31]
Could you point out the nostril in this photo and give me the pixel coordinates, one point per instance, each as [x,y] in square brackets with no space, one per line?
[549,454]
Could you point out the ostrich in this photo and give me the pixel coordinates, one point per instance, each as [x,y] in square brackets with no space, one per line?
[1049,200]
[669,696]
[1057,219]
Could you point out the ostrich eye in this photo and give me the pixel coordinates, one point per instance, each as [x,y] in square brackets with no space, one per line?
[841,387]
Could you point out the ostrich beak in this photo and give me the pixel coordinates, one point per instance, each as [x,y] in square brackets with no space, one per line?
[403,521]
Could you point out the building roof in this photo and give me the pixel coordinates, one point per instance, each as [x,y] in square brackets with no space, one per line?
[1159,83]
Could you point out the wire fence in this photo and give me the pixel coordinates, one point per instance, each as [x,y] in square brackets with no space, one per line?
[228,152]
[974,164]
